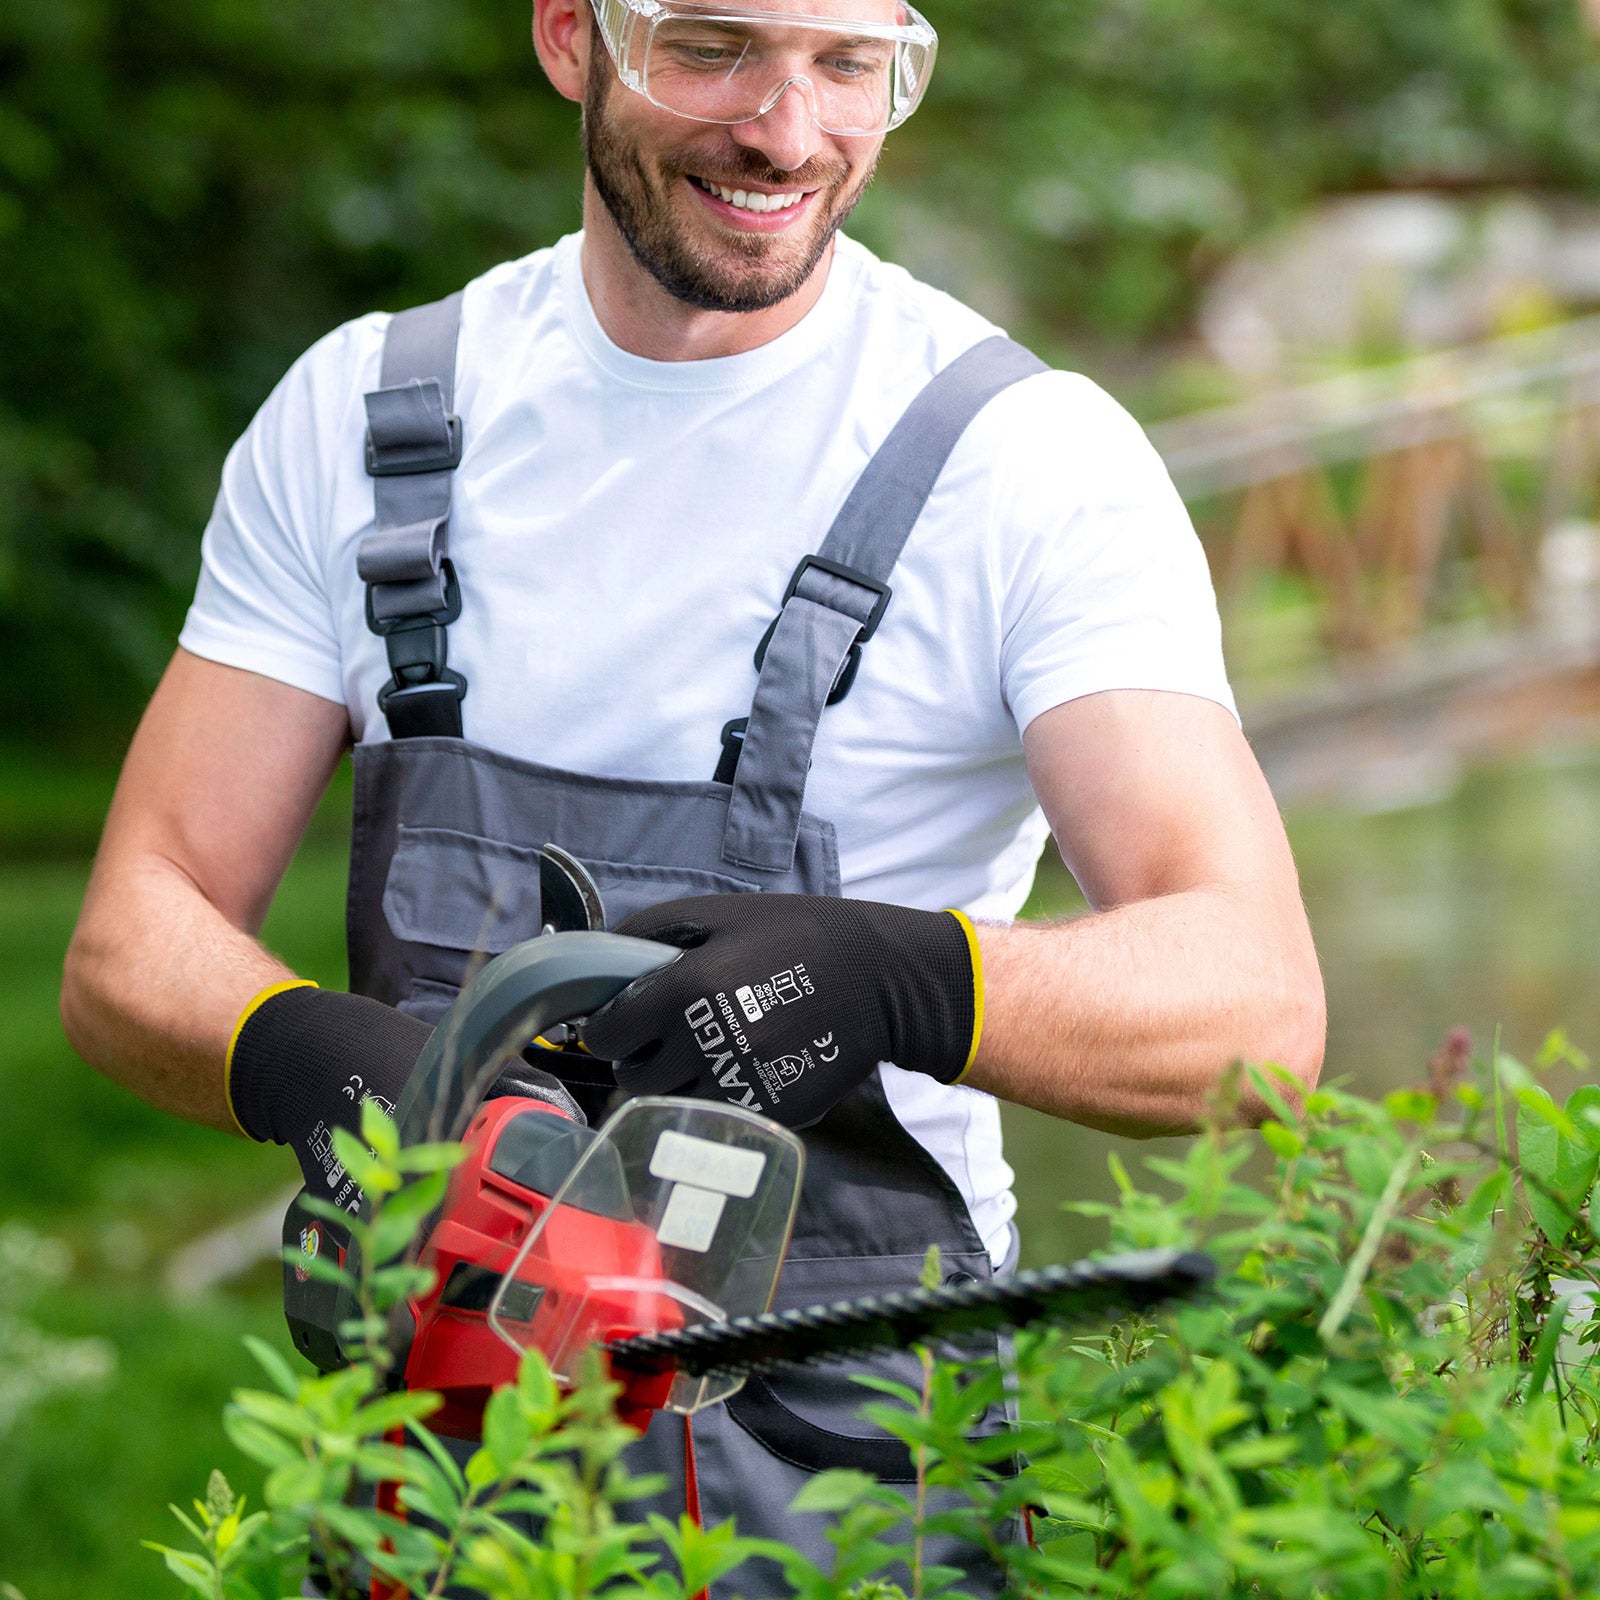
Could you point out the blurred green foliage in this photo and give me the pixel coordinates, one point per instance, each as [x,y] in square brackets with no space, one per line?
[191,191]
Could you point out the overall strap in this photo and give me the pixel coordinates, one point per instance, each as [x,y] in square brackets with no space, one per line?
[413,447]
[835,600]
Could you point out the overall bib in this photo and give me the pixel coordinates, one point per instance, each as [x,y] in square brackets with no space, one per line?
[444,868]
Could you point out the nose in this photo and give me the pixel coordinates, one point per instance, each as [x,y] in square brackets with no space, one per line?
[785,133]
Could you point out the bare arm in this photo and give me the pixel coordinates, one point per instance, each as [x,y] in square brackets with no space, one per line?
[1198,953]
[222,777]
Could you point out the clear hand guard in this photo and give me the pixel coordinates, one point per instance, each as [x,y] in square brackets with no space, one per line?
[678,1213]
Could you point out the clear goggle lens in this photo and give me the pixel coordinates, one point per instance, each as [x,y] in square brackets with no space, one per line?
[731,66]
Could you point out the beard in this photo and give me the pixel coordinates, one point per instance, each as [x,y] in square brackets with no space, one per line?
[740,273]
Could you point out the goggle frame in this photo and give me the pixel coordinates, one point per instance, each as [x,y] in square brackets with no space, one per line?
[628,26]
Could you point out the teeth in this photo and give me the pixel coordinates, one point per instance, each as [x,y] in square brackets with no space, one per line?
[747,200]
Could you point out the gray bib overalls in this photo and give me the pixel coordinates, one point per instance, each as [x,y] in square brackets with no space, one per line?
[444,863]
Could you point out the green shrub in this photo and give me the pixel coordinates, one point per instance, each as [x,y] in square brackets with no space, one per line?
[35,1365]
[1392,1393]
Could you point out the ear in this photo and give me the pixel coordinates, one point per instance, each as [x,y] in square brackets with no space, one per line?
[563,35]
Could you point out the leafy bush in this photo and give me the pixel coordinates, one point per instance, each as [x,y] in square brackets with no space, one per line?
[1392,1393]
[35,1365]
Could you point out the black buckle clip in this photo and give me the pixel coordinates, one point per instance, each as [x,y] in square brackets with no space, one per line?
[430,708]
[852,664]
[406,461]
[732,748]
[424,696]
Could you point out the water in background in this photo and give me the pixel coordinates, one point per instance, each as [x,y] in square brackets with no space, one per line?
[1482,909]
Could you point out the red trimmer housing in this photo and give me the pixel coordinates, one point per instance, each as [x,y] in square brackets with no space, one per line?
[518,1153]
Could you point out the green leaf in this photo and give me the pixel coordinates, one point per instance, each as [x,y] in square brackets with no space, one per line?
[1411,1105]
[258,1441]
[378,1129]
[1583,1107]
[1389,1417]
[430,1158]
[507,1431]
[835,1490]
[397,1218]
[1283,1141]
[1487,1198]
[1262,1082]
[1549,1342]
[1268,1451]
[1559,1051]
[397,1411]
[537,1385]
[272,1363]
[393,1284]
[189,1570]
[295,1486]
[900,1391]
[1558,1163]
[374,1177]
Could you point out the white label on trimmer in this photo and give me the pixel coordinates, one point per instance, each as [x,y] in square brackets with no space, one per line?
[681,1158]
[691,1218]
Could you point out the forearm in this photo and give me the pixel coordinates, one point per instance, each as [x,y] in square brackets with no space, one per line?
[155,980]
[1125,1020]
[221,778]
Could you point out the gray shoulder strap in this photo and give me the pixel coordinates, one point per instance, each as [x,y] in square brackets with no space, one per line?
[837,598]
[413,447]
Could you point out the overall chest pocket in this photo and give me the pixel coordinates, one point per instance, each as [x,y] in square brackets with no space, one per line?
[461,891]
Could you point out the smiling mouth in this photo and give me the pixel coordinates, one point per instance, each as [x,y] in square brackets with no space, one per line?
[751,200]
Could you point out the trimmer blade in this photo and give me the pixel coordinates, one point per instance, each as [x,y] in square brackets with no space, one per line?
[570,898]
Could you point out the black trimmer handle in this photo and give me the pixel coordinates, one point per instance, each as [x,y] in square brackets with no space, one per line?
[518,996]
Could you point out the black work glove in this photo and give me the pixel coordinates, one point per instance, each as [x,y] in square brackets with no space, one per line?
[303,1060]
[783,1003]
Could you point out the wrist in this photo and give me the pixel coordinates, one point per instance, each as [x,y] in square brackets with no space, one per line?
[256,1003]
[934,1011]
[975,956]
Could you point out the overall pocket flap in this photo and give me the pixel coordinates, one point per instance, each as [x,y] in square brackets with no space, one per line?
[629,886]
[461,892]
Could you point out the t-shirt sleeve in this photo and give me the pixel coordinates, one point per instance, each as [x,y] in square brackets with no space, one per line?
[262,602]
[1102,581]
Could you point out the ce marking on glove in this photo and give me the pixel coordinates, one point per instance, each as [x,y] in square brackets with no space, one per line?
[825,1048]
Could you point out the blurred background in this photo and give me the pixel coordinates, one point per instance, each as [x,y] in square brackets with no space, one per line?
[1344,260]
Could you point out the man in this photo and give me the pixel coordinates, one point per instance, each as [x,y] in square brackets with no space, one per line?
[659,421]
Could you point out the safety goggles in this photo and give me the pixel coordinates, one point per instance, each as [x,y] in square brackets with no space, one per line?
[722,64]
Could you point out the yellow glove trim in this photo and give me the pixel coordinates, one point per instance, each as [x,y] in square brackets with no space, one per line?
[238,1028]
[977,992]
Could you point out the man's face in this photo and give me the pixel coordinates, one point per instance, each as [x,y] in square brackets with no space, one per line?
[658,173]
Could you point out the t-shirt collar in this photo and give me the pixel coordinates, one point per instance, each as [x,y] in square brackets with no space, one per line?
[750,370]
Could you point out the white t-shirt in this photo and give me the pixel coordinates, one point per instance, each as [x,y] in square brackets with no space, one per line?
[624,530]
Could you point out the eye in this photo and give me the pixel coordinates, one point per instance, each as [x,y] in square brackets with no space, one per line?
[856,63]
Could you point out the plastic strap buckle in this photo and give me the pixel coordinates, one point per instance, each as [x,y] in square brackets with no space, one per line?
[442,617]
[411,460]
[847,673]
[424,696]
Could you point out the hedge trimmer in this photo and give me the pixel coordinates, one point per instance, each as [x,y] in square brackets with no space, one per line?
[659,1238]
